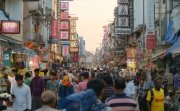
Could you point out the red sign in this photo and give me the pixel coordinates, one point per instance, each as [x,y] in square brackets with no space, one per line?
[64,5]
[64,35]
[64,15]
[75,58]
[150,42]
[64,25]
[10,27]
[54,28]
[65,50]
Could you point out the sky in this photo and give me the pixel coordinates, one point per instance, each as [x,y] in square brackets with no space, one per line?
[92,16]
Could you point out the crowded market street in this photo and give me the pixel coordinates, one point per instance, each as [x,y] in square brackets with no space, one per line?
[89,55]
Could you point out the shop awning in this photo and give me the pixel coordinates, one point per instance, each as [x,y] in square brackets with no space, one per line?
[158,55]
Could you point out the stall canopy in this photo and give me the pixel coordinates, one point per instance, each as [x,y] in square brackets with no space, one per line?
[26,51]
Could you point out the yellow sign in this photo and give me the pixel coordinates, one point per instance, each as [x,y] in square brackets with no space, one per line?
[74,49]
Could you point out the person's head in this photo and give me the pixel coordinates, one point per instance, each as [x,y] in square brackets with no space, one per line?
[19,79]
[128,77]
[36,71]
[108,80]
[14,71]
[97,85]
[85,75]
[53,75]
[27,75]
[48,98]
[120,84]
[157,83]
[141,81]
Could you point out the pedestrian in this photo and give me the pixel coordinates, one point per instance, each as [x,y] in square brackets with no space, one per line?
[130,87]
[120,101]
[11,78]
[176,80]
[155,97]
[108,90]
[98,85]
[27,79]
[21,95]
[65,89]
[37,88]
[48,99]
[141,94]
[52,84]
[83,84]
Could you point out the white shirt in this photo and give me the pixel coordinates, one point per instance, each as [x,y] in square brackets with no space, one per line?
[13,82]
[130,89]
[22,99]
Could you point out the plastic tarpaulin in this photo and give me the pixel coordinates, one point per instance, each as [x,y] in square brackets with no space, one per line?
[175,47]
[27,51]
[170,36]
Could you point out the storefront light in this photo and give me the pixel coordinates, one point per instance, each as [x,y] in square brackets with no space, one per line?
[30,63]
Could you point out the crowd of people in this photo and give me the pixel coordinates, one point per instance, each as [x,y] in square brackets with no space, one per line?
[112,90]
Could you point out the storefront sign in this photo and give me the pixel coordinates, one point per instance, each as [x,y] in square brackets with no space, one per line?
[150,17]
[122,21]
[122,30]
[123,1]
[150,42]
[73,49]
[64,5]
[64,25]
[54,28]
[64,35]
[73,44]
[65,42]
[73,30]
[65,50]
[10,27]
[123,9]
[64,16]
[73,37]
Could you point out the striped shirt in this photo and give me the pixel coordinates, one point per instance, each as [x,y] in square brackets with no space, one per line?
[108,92]
[121,102]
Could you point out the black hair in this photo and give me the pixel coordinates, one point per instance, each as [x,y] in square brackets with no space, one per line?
[27,74]
[97,85]
[53,73]
[36,70]
[108,80]
[85,75]
[19,77]
[14,70]
[120,83]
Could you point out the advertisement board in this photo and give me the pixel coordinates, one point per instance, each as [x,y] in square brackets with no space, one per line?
[54,28]
[10,27]
[73,37]
[122,1]
[122,31]
[123,9]
[64,15]
[65,50]
[64,25]
[64,35]
[64,5]
[150,41]
[150,27]
[122,21]
[74,49]
[73,44]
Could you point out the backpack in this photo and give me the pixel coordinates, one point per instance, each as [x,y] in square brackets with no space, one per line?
[82,101]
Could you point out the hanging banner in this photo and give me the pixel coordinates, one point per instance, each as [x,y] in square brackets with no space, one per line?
[64,25]
[65,50]
[64,5]
[54,28]
[64,35]
[150,42]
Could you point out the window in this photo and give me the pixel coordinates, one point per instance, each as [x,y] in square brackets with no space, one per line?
[2,4]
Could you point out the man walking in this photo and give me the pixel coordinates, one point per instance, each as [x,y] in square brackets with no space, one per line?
[119,101]
[37,88]
[21,95]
